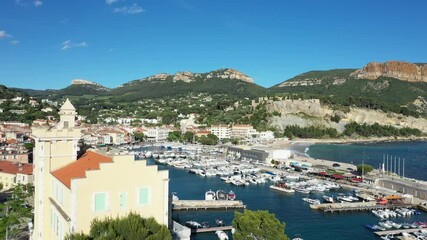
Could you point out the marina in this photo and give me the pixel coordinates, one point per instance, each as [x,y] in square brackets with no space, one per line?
[399,231]
[212,169]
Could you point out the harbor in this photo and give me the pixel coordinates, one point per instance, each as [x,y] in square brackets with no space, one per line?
[214,168]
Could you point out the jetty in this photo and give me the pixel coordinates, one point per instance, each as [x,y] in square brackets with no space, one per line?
[187,205]
[398,231]
[355,206]
[212,229]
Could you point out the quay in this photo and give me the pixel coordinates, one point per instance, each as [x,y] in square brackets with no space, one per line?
[212,229]
[356,206]
[398,231]
[183,205]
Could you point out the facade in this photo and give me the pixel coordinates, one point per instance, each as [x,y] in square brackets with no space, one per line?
[71,192]
[157,134]
[221,131]
[14,173]
[242,131]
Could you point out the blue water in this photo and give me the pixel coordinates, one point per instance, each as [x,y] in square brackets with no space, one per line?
[415,154]
[289,208]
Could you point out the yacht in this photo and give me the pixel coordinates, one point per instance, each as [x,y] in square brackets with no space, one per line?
[210,195]
[328,199]
[221,195]
[221,235]
[311,200]
[231,195]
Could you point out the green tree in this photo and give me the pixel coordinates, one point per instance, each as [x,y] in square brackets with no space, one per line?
[174,136]
[258,225]
[139,136]
[364,168]
[131,227]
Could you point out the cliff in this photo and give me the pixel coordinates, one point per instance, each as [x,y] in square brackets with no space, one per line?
[395,69]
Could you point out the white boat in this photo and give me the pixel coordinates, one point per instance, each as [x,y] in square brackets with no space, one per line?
[328,199]
[193,224]
[385,224]
[210,195]
[387,237]
[302,190]
[221,235]
[311,200]
[282,189]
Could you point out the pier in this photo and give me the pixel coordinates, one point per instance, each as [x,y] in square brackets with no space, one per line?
[212,229]
[398,231]
[187,205]
[356,206]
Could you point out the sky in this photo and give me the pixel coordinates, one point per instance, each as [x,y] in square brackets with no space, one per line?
[45,44]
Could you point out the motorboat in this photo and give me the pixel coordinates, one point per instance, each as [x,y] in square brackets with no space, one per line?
[385,224]
[282,187]
[328,199]
[221,195]
[221,235]
[193,224]
[311,200]
[210,195]
[231,195]
[219,222]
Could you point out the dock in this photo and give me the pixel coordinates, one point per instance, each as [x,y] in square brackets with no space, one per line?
[398,231]
[212,229]
[187,205]
[354,206]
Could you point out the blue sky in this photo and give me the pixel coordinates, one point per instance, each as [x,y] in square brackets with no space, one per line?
[47,43]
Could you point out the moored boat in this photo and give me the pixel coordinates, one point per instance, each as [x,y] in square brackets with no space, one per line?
[210,195]
[231,195]
[221,235]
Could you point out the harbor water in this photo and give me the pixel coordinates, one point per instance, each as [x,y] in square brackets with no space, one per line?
[290,208]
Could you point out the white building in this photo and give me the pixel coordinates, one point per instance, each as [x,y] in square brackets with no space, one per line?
[157,134]
[221,131]
[242,131]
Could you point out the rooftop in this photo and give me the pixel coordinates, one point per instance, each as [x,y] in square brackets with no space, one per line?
[89,161]
[15,168]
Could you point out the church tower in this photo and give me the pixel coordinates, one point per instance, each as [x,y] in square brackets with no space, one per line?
[55,147]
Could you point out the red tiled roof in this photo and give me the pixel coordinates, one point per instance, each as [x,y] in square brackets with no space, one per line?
[337,176]
[14,168]
[89,161]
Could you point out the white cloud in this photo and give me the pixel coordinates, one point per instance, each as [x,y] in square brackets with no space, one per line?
[109,2]
[68,44]
[130,10]
[14,42]
[37,3]
[4,34]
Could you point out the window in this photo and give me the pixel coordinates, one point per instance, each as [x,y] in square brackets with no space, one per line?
[123,200]
[100,202]
[143,196]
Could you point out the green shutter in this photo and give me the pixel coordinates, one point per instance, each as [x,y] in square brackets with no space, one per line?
[100,202]
[143,196]
[123,200]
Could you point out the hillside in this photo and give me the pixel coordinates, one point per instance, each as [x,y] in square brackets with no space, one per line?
[223,81]
[346,87]
[8,93]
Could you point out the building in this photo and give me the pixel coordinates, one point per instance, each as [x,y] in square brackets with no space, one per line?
[221,131]
[70,192]
[157,134]
[242,131]
[12,173]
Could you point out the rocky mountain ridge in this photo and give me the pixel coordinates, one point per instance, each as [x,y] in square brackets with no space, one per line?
[395,69]
[225,73]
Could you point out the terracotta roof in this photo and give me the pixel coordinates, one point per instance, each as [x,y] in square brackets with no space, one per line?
[89,161]
[14,168]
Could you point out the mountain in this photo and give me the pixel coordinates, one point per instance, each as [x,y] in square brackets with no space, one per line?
[78,87]
[9,93]
[222,81]
[391,86]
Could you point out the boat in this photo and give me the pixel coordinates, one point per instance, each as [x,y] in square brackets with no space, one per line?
[282,188]
[388,237]
[302,190]
[311,200]
[328,199]
[231,195]
[210,195]
[221,195]
[193,224]
[219,222]
[221,235]
[384,224]
[206,225]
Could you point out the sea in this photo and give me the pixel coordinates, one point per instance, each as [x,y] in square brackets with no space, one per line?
[289,208]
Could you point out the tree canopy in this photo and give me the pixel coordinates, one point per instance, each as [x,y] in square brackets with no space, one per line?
[131,227]
[258,225]
[364,168]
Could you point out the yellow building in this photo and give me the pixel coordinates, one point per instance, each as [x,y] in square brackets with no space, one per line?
[71,192]
[12,173]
